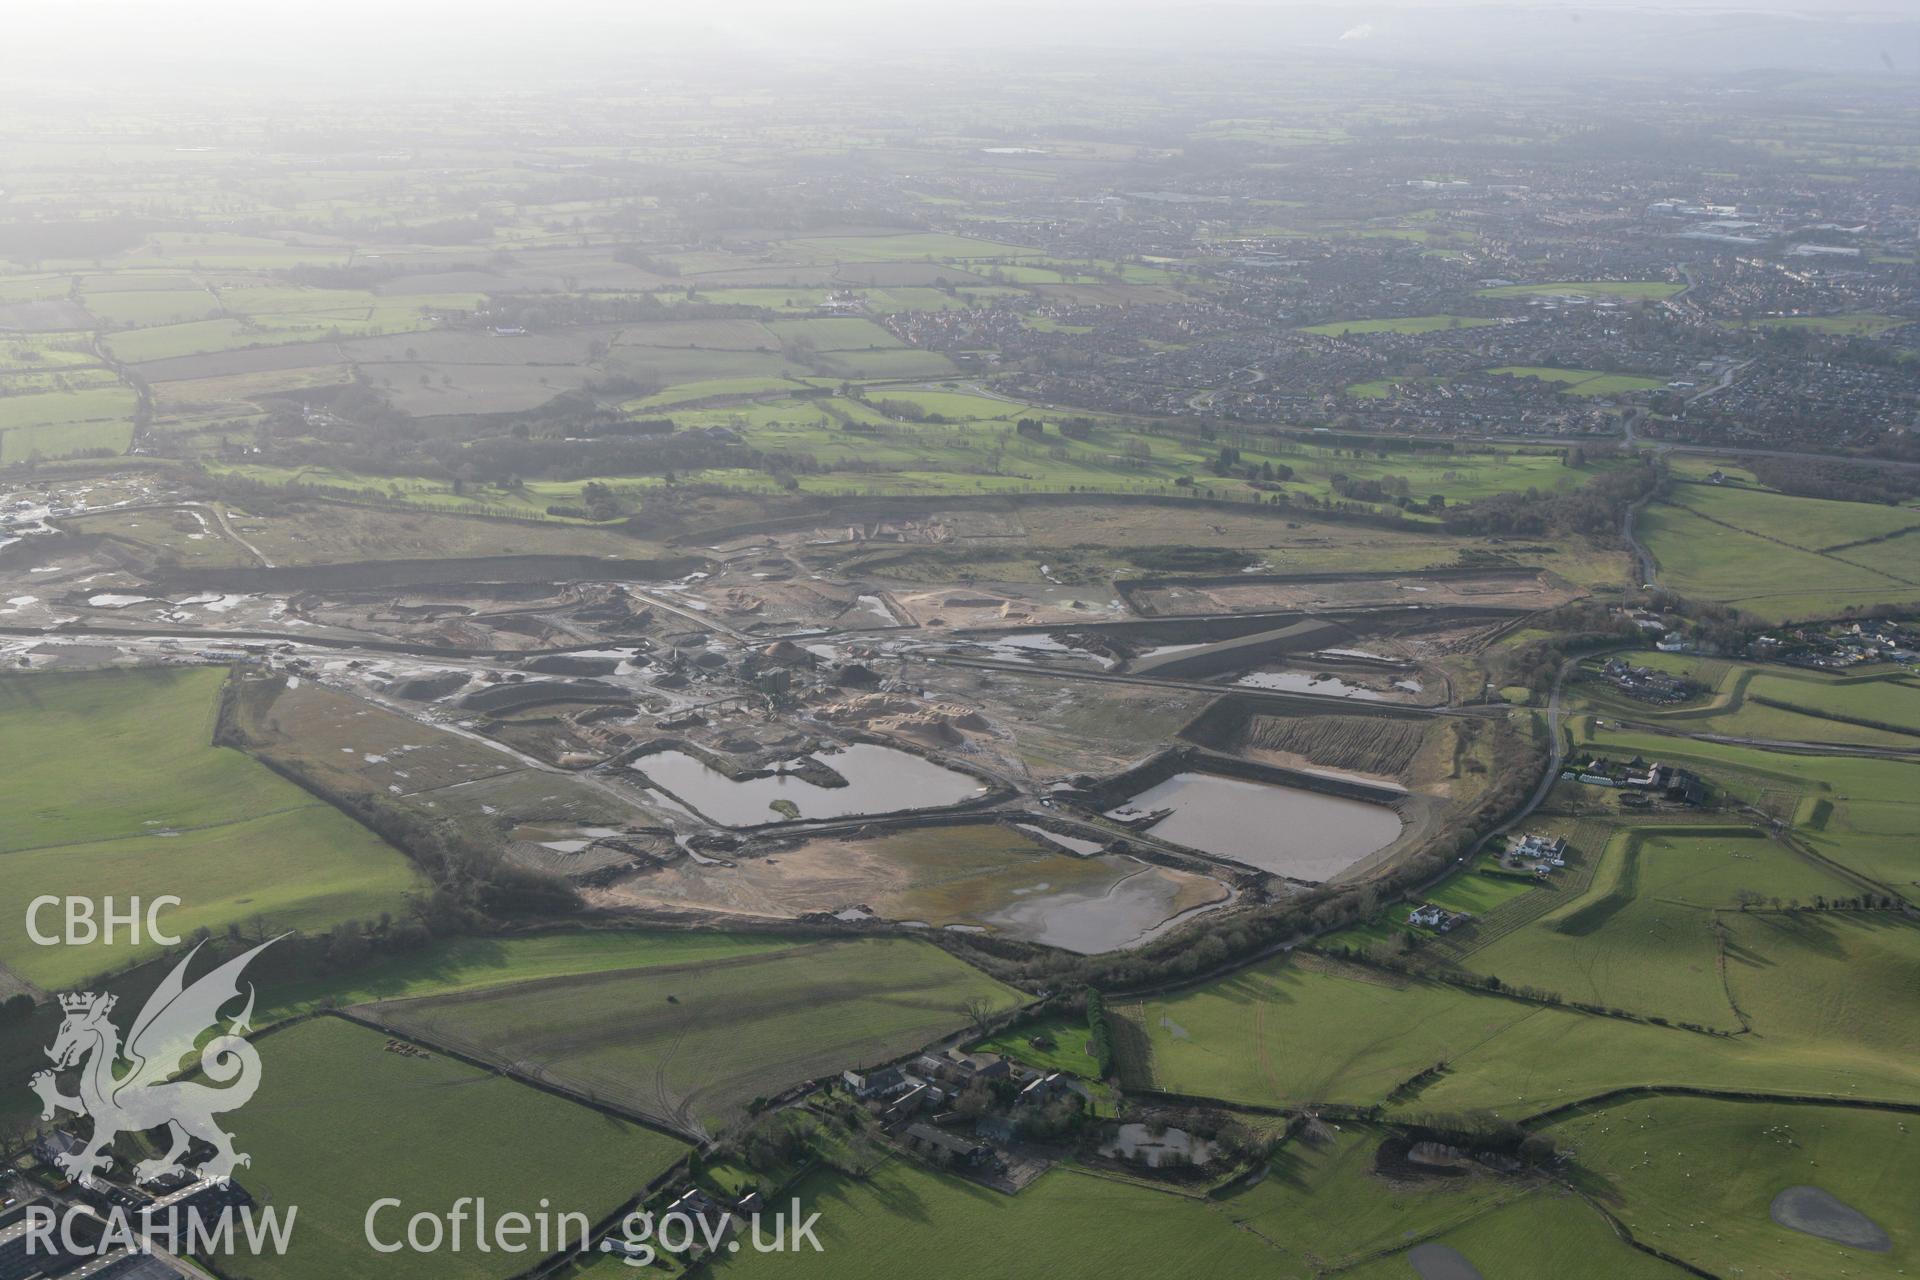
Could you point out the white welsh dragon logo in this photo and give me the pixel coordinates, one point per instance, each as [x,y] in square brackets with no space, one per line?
[144,1095]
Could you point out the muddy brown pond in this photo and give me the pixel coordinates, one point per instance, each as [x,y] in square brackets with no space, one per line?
[1289,831]
[879,780]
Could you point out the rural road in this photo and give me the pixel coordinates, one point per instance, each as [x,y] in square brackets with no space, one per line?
[699,619]
[1646,570]
[1790,746]
[220,514]
[1556,748]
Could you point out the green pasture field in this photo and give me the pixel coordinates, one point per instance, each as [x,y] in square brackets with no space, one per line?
[1827,976]
[1808,707]
[81,378]
[1549,1233]
[1324,1208]
[834,333]
[109,784]
[34,288]
[353,311]
[340,1122]
[1892,700]
[958,406]
[1775,704]
[1894,556]
[908,1220]
[229,251]
[708,335]
[141,307]
[799,298]
[262,329]
[1769,579]
[1461,477]
[93,755]
[1289,1033]
[950,457]
[23,352]
[1858,811]
[1071,1041]
[884,362]
[733,1030]
[1695,1177]
[137,279]
[1583,382]
[1050,273]
[437,497]
[709,389]
[1419,235]
[1696,467]
[907,247]
[63,408]
[1812,524]
[824,412]
[1400,324]
[1642,937]
[200,337]
[1546,1234]
[63,440]
[1475,889]
[457,965]
[670,367]
[305,869]
[296,300]
[1634,289]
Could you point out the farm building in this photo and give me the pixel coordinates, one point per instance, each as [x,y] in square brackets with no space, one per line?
[877,1084]
[715,1221]
[965,1066]
[918,1095]
[1439,919]
[1647,685]
[1551,850]
[1044,1089]
[947,1148]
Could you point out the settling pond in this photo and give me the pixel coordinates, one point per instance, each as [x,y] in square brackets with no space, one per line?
[879,780]
[1140,901]
[1288,831]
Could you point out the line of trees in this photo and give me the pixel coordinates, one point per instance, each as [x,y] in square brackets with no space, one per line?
[1099,1032]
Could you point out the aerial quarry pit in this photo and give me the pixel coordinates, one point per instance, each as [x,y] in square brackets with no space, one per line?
[750,733]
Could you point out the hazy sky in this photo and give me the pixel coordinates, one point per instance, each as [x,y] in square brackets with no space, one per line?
[303,42]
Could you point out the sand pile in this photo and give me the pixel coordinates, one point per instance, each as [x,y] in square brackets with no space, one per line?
[934,724]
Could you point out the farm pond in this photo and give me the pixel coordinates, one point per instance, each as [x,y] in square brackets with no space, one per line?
[1289,831]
